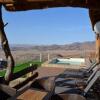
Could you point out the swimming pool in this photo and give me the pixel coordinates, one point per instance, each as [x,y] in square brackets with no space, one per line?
[69,61]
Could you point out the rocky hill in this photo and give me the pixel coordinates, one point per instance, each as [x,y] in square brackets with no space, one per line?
[73,46]
[23,53]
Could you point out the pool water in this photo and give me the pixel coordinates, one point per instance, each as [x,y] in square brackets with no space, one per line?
[66,61]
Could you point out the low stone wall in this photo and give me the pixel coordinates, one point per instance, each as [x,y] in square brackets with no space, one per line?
[47,64]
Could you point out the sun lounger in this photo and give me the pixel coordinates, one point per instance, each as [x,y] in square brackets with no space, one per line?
[79,73]
[76,82]
[83,91]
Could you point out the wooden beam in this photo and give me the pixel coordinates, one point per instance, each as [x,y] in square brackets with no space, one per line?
[24,71]
[26,81]
[21,1]
[21,5]
[22,87]
[8,90]
[98,48]
[6,49]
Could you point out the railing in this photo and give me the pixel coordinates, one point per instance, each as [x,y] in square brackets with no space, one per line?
[21,87]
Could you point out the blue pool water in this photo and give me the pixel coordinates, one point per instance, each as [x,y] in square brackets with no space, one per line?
[56,61]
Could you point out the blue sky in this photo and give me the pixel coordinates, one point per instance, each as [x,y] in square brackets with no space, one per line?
[49,26]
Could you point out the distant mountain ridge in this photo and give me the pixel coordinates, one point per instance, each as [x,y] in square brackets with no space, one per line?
[89,45]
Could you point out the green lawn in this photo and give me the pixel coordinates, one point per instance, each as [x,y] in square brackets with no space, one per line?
[19,67]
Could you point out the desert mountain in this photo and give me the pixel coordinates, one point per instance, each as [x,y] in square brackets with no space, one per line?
[74,46]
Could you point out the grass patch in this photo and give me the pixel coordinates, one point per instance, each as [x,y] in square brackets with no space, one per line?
[20,67]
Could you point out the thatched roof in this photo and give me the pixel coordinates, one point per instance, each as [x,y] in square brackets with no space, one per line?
[20,5]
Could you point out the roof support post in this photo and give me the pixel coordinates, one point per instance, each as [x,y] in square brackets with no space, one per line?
[98,48]
[6,49]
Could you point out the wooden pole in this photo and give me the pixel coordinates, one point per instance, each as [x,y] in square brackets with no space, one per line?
[5,47]
[17,5]
[98,48]
[40,57]
[48,57]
